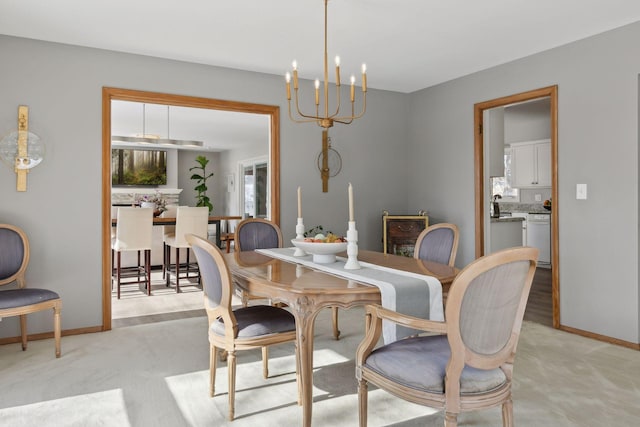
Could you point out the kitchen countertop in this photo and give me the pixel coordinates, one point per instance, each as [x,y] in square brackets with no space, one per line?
[508,219]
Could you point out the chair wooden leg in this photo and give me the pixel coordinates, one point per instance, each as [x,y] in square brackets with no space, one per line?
[362,402]
[334,317]
[450,419]
[213,359]
[507,413]
[298,379]
[118,271]
[23,330]
[265,362]
[168,267]
[56,327]
[231,366]
[147,269]
[177,270]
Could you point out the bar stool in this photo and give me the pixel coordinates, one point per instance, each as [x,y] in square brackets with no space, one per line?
[167,231]
[189,220]
[133,233]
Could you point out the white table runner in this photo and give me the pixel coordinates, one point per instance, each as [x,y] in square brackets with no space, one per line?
[408,293]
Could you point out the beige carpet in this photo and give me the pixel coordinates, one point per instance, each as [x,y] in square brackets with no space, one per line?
[155,374]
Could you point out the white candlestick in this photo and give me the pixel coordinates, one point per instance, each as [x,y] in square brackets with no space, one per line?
[299,203]
[351,203]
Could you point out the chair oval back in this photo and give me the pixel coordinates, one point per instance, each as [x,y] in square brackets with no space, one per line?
[14,254]
[134,230]
[191,220]
[438,243]
[486,305]
[216,278]
[170,212]
[257,233]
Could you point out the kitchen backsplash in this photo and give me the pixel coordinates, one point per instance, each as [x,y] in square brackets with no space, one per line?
[522,207]
[528,201]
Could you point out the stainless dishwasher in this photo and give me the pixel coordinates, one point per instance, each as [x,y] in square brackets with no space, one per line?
[539,236]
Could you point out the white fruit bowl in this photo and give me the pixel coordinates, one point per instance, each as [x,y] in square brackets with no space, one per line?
[323,253]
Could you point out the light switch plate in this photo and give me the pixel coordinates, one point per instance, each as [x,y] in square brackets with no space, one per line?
[538,197]
[581,191]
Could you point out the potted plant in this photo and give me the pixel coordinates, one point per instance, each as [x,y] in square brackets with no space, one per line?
[201,178]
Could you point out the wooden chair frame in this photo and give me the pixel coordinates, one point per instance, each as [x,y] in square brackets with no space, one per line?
[230,343]
[22,311]
[451,400]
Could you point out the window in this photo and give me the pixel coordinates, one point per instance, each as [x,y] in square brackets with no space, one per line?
[502,185]
[255,186]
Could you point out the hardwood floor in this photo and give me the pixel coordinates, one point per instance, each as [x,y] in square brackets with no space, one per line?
[539,307]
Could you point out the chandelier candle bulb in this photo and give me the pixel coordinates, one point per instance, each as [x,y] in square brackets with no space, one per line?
[364,77]
[299,203]
[317,86]
[295,75]
[337,71]
[350,203]
[287,77]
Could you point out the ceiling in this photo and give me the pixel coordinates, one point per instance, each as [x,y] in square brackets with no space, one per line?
[407,45]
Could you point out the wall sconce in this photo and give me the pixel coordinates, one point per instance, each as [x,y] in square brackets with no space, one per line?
[21,149]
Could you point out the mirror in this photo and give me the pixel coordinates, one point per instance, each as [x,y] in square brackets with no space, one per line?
[169,107]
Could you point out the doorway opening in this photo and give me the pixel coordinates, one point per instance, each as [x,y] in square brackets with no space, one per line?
[481,178]
[272,150]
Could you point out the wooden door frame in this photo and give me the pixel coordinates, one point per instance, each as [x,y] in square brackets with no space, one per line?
[478,110]
[109,94]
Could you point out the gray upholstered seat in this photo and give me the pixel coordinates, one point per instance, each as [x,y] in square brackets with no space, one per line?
[14,259]
[428,373]
[245,328]
[468,363]
[27,296]
[258,320]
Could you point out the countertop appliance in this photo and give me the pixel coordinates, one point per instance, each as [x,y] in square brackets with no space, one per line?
[539,236]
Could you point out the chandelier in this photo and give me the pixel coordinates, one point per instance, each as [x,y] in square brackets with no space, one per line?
[326,119]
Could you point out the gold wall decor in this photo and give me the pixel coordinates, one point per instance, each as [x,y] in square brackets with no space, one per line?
[22,150]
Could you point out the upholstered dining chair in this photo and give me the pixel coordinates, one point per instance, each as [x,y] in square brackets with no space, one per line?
[256,233]
[438,243]
[189,220]
[133,233]
[244,328]
[468,363]
[20,301]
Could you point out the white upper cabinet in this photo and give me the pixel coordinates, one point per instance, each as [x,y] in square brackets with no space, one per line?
[531,164]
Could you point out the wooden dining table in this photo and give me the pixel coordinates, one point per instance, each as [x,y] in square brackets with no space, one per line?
[307,291]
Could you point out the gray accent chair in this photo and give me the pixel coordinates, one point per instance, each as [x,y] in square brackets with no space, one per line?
[468,363]
[437,243]
[232,330]
[20,301]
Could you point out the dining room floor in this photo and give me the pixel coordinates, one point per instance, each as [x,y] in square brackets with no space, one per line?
[135,307]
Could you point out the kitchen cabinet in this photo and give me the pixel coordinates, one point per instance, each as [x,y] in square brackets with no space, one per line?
[505,233]
[531,164]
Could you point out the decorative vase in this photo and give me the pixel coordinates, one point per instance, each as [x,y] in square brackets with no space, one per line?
[148,205]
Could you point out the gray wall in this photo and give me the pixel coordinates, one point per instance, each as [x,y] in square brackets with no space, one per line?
[61,211]
[597,82]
